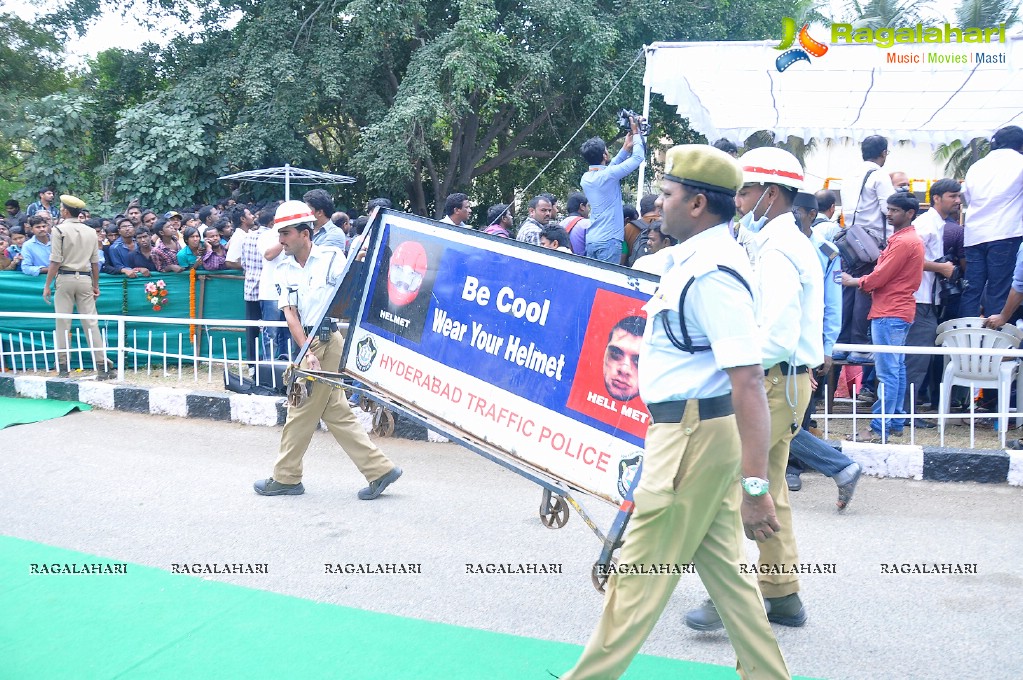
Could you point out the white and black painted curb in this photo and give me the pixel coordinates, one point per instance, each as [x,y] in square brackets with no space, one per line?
[880,460]
[183,403]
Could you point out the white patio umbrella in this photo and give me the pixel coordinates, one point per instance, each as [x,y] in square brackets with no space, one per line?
[288,176]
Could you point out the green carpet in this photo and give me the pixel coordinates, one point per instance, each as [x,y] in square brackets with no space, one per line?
[21,411]
[150,624]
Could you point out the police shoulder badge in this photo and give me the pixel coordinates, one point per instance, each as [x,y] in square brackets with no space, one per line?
[366,353]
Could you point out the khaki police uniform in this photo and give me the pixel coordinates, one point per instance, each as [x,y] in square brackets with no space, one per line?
[74,253]
[688,498]
[790,313]
[310,289]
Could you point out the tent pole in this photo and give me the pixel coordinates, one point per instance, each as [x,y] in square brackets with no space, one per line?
[287,182]
[642,167]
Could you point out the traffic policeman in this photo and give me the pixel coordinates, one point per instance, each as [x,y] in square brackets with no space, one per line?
[305,286]
[705,466]
[790,314]
[74,267]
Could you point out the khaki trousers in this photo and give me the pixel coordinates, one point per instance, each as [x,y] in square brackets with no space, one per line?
[75,290]
[687,510]
[327,403]
[781,548]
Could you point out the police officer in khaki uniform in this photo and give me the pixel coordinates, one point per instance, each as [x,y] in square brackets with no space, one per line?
[705,466]
[74,265]
[304,283]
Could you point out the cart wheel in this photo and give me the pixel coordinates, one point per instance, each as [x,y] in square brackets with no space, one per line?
[383,422]
[553,511]
[365,403]
[600,574]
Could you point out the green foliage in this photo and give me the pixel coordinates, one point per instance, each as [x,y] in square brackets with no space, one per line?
[60,127]
[983,13]
[958,157]
[166,154]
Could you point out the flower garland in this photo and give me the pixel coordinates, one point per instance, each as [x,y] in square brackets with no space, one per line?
[191,302]
[156,293]
[124,297]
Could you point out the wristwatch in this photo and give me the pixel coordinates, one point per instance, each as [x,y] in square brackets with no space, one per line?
[754,486]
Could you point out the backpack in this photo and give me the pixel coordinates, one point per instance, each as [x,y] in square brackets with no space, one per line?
[858,248]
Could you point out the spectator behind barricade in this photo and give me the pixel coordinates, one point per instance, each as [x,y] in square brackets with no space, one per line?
[892,285]
[930,227]
[993,192]
[656,259]
[44,204]
[865,193]
[325,232]
[343,222]
[728,147]
[225,229]
[539,217]
[96,224]
[250,260]
[554,237]
[36,251]
[190,256]
[17,242]
[165,253]
[825,225]
[148,219]
[457,211]
[637,231]
[602,185]
[242,220]
[7,263]
[142,259]
[900,181]
[215,254]
[577,221]
[15,217]
[499,218]
[555,210]
[208,216]
[122,251]
[629,215]
[134,212]
[269,248]
[189,220]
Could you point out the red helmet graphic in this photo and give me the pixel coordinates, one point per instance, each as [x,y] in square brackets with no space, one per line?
[408,268]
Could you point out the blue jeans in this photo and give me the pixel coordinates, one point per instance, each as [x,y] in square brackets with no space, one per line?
[989,268]
[606,251]
[280,336]
[817,454]
[891,372]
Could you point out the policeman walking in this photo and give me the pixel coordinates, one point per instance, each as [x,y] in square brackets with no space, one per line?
[74,265]
[704,473]
[304,285]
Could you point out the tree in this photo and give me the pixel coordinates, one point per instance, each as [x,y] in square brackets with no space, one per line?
[60,127]
[888,13]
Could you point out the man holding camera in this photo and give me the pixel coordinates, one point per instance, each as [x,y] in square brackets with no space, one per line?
[930,227]
[602,185]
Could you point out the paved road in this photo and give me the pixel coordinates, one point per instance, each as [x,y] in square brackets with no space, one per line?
[159,491]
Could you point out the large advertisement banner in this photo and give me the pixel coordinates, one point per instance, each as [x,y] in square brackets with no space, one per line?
[531,351]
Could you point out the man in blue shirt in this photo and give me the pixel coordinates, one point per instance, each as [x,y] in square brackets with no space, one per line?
[36,251]
[45,204]
[602,186]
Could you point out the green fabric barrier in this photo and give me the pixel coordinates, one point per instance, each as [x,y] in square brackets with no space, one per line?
[218,296]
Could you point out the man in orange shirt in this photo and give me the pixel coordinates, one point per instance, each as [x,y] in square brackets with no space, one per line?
[892,310]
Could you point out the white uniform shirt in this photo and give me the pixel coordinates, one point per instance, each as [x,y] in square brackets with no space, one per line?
[790,295]
[654,263]
[718,312]
[310,288]
[993,192]
[268,277]
[870,205]
[930,227]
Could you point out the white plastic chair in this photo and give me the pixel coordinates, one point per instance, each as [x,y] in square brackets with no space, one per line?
[977,322]
[971,370]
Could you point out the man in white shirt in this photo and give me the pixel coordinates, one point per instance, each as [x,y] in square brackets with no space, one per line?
[268,245]
[865,193]
[457,211]
[993,192]
[930,227]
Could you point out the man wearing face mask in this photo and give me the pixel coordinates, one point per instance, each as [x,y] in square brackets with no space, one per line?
[789,306]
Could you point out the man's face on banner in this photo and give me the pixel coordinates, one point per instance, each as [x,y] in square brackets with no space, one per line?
[621,365]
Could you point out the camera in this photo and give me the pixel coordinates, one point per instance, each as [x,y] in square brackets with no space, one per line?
[624,124]
[951,288]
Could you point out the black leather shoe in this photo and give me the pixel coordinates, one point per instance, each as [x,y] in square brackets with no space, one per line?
[377,487]
[787,611]
[704,618]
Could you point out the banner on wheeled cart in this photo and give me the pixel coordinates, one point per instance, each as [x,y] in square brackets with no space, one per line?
[529,350]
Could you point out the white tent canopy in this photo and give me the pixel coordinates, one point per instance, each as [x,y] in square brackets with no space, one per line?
[733,89]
